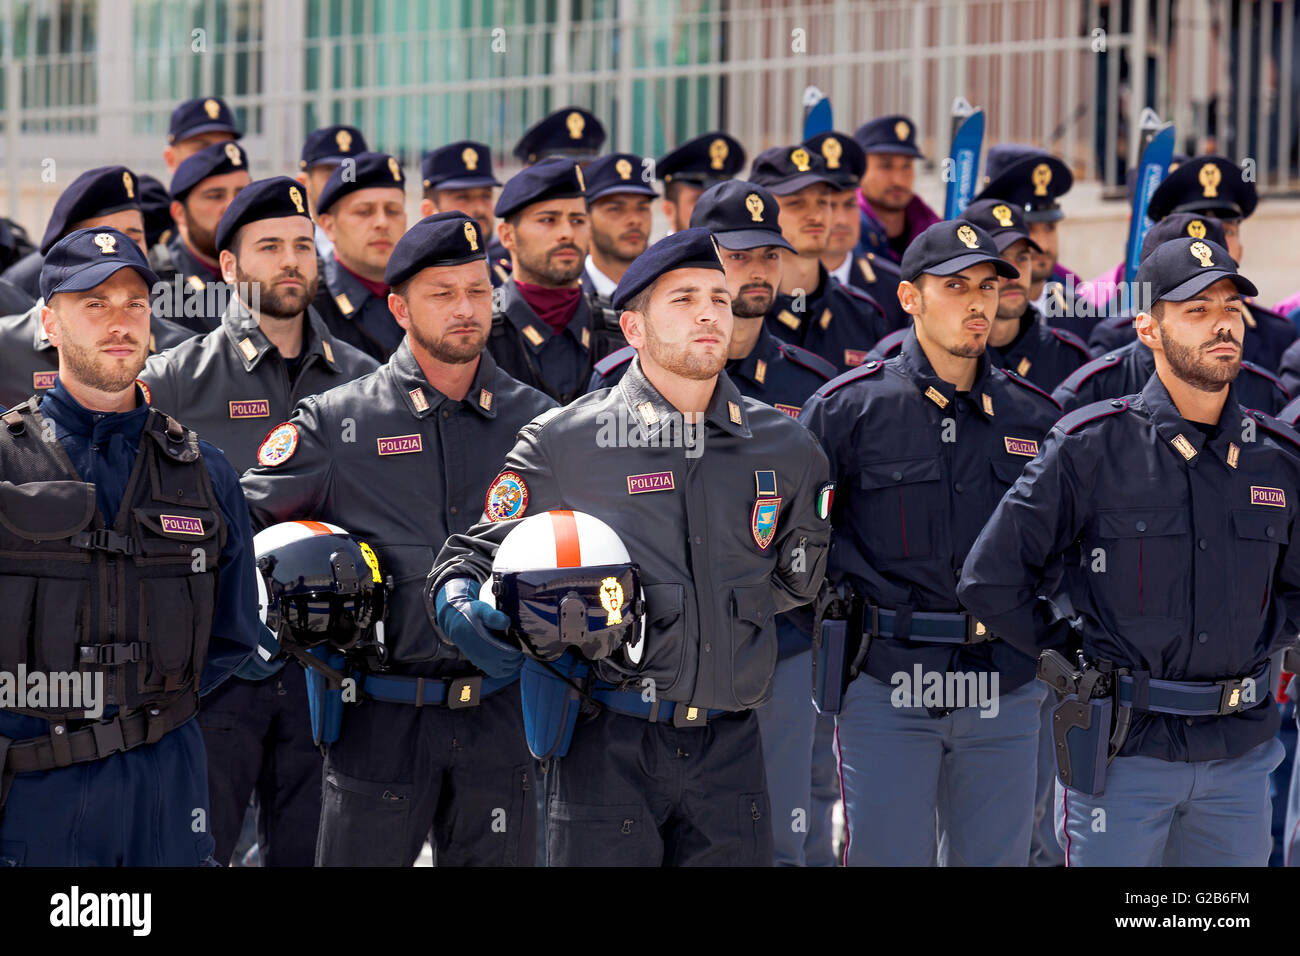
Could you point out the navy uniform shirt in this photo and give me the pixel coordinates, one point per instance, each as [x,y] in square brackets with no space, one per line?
[1268,336]
[29,363]
[1127,369]
[838,323]
[560,365]
[246,385]
[878,277]
[401,466]
[355,316]
[717,560]
[1187,573]
[908,503]
[190,302]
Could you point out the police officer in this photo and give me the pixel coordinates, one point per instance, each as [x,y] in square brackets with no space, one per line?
[202,187]
[812,308]
[892,214]
[1125,369]
[845,164]
[693,167]
[363,212]
[404,455]
[127,551]
[570,133]
[105,197]
[618,205]
[1018,338]
[458,177]
[195,125]
[673,776]
[1034,180]
[928,442]
[323,151]
[1212,186]
[545,332]
[1187,585]
[156,206]
[268,354]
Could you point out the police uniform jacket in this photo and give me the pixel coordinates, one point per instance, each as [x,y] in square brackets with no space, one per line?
[918,469]
[717,560]
[878,277]
[173,259]
[401,466]
[838,322]
[353,315]
[232,384]
[1041,353]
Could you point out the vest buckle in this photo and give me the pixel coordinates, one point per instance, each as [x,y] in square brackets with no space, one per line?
[104,539]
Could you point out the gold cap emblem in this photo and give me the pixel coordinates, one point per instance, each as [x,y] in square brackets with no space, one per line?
[1002,214]
[295,197]
[129,184]
[576,124]
[1041,178]
[1201,253]
[968,237]
[832,150]
[611,599]
[469,156]
[1210,176]
[802,161]
[232,154]
[718,150]
[471,234]
[212,108]
[344,140]
[902,130]
[624,169]
[1196,229]
[754,203]
[107,243]
[394,169]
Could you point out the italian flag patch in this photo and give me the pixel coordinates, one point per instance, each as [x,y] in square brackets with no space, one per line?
[825,498]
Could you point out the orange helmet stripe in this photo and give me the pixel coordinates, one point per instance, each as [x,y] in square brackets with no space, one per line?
[568,550]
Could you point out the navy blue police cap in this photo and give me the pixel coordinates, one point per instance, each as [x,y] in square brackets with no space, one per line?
[783,170]
[96,192]
[331,144]
[83,259]
[363,171]
[569,133]
[1180,225]
[740,214]
[702,161]
[1181,268]
[553,178]
[1002,220]
[616,173]
[946,248]
[464,164]
[156,204]
[888,134]
[203,114]
[443,239]
[1210,185]
[215,160]
[845,160]
[273,198]
[1028,177]
[689,249]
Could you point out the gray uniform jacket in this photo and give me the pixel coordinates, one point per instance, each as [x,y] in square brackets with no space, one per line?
[717,560]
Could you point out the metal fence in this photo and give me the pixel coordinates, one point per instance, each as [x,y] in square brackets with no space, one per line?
[87,82]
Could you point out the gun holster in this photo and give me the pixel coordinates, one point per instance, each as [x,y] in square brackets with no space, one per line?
[1088,727]
[839,647]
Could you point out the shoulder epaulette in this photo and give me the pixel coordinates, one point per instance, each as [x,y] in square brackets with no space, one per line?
[1265,373]
[1275,427]
[1090,413]
[1069,338]
[883,264]
[1085,372]
[890,344]
[614,359]
[801,356]
[1025,383]
[862,371]
[866,297]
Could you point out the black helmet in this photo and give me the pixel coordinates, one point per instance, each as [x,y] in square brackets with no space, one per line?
[323,586]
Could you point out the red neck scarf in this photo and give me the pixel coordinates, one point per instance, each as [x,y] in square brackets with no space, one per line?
[377,289]
[555,307]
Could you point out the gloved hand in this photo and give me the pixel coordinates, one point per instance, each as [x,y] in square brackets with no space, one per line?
[265,659]
[478,629]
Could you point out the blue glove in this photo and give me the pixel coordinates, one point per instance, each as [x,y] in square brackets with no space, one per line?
[265,659]
[477,628]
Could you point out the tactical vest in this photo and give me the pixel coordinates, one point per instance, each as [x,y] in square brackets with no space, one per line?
[134,599]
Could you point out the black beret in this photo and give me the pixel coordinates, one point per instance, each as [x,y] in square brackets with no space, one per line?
[1180,268]
[1211,185]
[443,239]
[570,133]
[331,144]
[688,249]
[845,160]
[1002,220]
[96,192]
[215,160]
[740,214]
[83,259]
[203,114]
[464,164]
[702,161]
[553,178]
[272,198]
[1028,177]
[946,248]
[363,171]
[616,173]
[787,169]
[156,205]
[888,134]
[1179,225]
